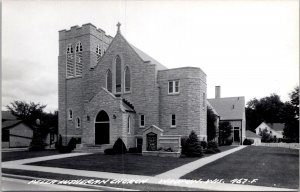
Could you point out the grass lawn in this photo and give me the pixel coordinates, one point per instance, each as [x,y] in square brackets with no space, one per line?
[127,164]
[272,166]
[17,155]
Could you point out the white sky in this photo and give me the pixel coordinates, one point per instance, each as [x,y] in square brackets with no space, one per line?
[249,48]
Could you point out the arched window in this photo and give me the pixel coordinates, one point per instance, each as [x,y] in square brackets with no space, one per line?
[69,48]
[118,74]
[98,50]
[79,47]
[108,81]
[78,123]
[127,79]
[70,114]
[128,124]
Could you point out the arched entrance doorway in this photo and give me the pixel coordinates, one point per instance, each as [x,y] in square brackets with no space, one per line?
[102,128]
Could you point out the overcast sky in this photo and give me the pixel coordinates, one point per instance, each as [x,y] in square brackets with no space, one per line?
[249,48]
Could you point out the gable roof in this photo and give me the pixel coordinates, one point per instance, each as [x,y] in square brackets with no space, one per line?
[276,126]
[212,108]
[147,58]
[6,115]
[229,108]
[251,134]
[10,124]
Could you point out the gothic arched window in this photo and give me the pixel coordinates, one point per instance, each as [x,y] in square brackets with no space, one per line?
[127,79]
[128,125]
[108,81]
[118,74]
[78,47]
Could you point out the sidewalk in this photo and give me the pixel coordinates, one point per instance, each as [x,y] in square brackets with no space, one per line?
[162,179]
[187,168]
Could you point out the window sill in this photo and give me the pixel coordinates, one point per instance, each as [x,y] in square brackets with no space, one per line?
[172,127]
[173,93]
[142,127]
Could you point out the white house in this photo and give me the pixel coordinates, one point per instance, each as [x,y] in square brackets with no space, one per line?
[274,129]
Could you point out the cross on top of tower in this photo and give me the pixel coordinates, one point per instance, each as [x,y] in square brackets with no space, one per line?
[118,25]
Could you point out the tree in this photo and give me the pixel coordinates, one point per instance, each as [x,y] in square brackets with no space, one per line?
[28,112]
[291,117]
[192,146]
[265,136]
[211,124]
[294,96]
[225,130]
[268,109]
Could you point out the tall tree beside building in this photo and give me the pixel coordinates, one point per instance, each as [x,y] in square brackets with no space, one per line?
[211,125]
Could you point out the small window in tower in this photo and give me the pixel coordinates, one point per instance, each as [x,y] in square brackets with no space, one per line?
[173,120]
[79,47]
[204,100]
[142,120]
[69,49]
[78,123]
[98,50]
[70,114]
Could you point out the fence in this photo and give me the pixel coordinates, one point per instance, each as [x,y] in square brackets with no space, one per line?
[285,145]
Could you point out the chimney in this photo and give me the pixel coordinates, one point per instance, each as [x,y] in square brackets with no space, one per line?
[217,92]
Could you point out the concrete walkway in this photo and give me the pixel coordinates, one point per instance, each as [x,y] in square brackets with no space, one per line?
[19,164]
[187,168]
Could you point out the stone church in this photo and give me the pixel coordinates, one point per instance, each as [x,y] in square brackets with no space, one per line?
[109,89]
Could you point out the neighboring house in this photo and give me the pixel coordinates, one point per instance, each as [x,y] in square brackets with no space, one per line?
[274,129]
[256,138]
[231,109]
[15,133]
[109,89]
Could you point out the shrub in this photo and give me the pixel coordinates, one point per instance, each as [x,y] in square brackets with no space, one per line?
[192,147]
[109,151]
[212,145]
[248,141]
[72,143]
[134,150]
[210,151]
[203,144]
[119,147]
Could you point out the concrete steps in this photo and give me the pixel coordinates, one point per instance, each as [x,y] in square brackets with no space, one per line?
[92,148]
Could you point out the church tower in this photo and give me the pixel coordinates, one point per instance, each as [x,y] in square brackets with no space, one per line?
[80,49]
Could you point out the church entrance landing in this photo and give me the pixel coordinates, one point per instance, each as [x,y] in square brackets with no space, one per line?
[102,128]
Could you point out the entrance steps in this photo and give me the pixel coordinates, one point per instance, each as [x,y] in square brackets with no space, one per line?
[88,148]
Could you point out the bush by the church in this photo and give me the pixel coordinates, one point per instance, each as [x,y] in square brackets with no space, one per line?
[203,144]
[192,146]
[109,151]
[210,151]
[212,146]
[248,142]
[119,147]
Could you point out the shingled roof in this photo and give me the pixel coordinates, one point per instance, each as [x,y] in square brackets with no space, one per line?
[147,58]
[6,115]
[250,134]
[229,108]
[276,126]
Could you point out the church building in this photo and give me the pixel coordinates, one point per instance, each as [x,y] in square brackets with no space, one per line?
[109,89]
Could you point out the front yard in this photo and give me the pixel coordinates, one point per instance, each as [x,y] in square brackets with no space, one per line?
[272,166]
[17,155]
